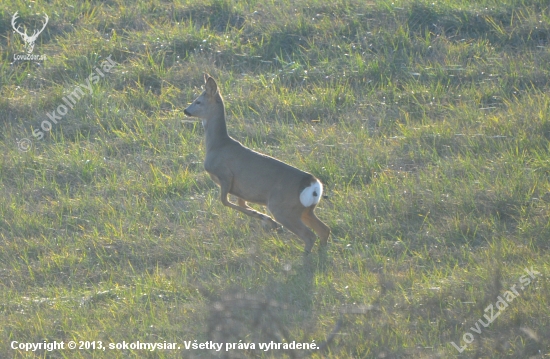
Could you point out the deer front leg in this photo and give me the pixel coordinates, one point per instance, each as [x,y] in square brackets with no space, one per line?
[224,191]
[267,222]
[242,203]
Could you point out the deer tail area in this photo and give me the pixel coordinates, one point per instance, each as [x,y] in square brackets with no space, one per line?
[312,193]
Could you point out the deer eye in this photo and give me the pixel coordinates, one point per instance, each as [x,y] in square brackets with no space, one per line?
[198,102]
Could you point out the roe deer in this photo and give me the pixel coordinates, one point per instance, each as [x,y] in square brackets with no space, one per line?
[290,194]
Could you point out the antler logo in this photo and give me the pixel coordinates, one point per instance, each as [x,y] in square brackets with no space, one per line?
[29,40]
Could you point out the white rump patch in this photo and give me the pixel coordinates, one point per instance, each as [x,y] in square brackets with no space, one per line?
[312,194]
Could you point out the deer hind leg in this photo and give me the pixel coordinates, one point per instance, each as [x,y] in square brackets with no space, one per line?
[294,224]
[311,220]
[224,189]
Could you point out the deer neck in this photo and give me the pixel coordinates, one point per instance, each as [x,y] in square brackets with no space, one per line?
[216,130]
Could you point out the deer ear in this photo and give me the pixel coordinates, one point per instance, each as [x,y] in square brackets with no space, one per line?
[211,86]
[206,76]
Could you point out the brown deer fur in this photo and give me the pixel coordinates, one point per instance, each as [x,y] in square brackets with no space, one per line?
[289,193]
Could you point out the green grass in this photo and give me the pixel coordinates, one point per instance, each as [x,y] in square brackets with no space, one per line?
[428,122]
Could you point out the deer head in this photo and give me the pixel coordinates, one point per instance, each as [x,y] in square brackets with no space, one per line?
[29,40]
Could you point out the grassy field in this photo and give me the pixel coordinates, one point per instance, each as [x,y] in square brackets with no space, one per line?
[428,122]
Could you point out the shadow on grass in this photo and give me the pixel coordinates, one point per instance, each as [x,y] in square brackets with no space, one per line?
[250,319]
